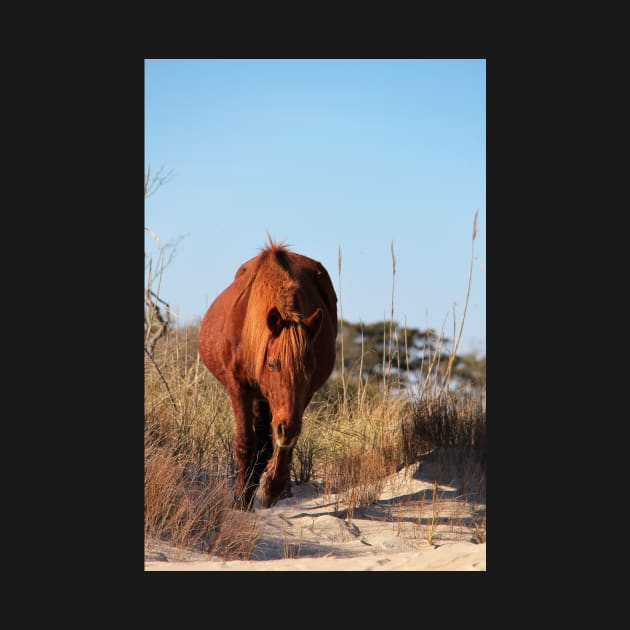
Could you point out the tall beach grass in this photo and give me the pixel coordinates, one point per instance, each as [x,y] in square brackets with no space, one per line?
[357,431]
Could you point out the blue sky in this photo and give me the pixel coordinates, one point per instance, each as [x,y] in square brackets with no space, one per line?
[324,154]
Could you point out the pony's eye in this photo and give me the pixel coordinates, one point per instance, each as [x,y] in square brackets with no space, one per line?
[273,365]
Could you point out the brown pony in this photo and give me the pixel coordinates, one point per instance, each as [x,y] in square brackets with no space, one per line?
[269,338]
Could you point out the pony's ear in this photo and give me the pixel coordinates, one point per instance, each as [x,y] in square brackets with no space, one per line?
[274,321]
[313,323]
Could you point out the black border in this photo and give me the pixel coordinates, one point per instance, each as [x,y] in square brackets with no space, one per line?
[107,159]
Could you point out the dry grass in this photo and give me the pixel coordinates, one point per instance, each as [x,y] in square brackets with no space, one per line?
[189,458]
[350,449]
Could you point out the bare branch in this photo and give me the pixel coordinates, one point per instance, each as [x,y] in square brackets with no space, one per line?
[162,327]
[159,299]
[168,389]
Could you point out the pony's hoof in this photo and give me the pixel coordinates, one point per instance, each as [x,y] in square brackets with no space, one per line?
[267,501]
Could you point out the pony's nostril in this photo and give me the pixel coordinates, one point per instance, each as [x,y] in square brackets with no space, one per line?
[280,430]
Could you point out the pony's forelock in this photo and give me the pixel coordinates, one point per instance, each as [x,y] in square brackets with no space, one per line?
[273,286]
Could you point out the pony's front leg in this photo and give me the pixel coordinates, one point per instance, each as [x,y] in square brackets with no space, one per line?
[264,438]
[276,476]
[244,448]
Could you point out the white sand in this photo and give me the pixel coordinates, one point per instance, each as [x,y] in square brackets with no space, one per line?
[407,529]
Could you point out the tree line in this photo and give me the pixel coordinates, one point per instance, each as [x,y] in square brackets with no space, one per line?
[402,354]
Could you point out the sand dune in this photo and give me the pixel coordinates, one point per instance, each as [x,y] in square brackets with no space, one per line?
[413,526]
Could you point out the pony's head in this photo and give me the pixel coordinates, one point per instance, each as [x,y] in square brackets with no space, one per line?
[285,371]
[277,343]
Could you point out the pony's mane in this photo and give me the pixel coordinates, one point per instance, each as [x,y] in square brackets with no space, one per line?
[272,285]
